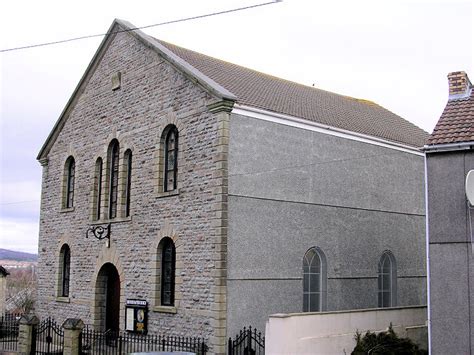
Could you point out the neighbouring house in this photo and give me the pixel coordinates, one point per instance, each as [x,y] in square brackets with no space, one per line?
[449,158]
[210,196]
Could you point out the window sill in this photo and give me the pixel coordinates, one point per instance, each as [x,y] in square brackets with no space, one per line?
[63,299]
[115,220]
[165,309]
[168,193]
[65,210]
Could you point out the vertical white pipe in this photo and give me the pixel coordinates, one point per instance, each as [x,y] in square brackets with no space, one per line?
[427,227]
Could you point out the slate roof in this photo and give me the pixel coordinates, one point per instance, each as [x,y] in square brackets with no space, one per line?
[259,90]
[456,124]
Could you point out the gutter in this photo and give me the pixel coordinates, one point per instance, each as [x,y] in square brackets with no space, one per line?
[322,128]
[448,147]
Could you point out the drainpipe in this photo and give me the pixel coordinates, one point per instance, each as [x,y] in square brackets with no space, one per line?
[427,228]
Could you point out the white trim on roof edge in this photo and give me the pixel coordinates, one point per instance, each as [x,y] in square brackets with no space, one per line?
[297,122]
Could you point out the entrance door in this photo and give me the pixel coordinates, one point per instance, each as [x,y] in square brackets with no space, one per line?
[108,297]
[112,303]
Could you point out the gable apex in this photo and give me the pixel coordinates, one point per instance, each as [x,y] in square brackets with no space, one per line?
[121,26]
[195,75]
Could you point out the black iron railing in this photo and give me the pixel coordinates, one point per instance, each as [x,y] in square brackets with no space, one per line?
[48,337]
[116,343]
[248,342]
[9,330]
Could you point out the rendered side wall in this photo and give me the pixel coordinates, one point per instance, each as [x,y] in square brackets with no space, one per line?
[291,189]
[333,333]
[451,258]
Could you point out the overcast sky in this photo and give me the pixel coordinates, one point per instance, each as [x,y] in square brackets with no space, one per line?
[396,53]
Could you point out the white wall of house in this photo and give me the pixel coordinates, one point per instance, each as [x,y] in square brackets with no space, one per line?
[333,332]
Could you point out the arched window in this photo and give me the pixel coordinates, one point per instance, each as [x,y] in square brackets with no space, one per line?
[314,281]
[64,270]
[170,159]
[70,177]
[128,182]
[98,189]
[168,267]
[113,177]
[387,280]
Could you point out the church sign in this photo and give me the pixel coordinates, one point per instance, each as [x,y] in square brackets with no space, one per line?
[136,316]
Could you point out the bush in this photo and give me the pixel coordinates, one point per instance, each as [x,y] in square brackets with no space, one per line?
[386,343]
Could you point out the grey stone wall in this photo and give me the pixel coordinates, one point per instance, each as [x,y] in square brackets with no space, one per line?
[153,94]
[291,189]
[451,263]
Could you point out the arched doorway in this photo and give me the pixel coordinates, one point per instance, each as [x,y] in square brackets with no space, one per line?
[107,298]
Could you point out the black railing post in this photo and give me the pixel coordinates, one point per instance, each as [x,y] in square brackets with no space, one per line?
[229,346]
[249,341]
[120,345]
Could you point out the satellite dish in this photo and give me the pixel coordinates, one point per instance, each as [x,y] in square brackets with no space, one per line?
[470,187]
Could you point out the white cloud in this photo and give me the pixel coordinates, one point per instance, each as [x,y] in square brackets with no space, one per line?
[19,235]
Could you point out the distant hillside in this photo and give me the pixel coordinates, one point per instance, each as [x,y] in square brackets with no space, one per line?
[6,254]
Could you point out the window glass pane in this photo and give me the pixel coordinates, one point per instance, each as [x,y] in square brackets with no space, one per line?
[315,265]
[386,282]
[129,182]
[168,271]
[305,282]
[98,187]
[386,299]
[386,264]
[314,282]
[170,160]
[305,303]
[66,271]
[114,166]
[70,183]
[314,302]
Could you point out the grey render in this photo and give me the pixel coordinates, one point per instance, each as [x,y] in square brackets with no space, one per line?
[449,157]
[291,189]
[254,195]
[450,253]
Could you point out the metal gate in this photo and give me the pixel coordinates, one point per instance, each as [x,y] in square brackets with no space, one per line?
[247,342]
[48,338]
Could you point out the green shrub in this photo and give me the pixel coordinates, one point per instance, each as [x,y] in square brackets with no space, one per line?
[385,343]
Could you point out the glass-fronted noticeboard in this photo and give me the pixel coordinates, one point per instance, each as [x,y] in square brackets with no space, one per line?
[136,316]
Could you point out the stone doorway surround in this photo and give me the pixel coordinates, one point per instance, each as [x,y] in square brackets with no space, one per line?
[108,260]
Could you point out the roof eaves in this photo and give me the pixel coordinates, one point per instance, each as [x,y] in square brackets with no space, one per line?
[210,85]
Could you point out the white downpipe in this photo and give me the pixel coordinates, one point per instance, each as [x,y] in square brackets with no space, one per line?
[427,228]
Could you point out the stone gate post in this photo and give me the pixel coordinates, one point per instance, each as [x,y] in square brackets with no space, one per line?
[25,338]
[72,332]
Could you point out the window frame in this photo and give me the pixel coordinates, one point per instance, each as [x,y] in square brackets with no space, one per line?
[65,271]
[128,160]
[389,278]
[308,291]
[99,165]
[168,243]
[114,168]
[169,132]
[70,182]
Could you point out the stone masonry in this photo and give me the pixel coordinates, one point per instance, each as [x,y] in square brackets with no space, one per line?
[152,95]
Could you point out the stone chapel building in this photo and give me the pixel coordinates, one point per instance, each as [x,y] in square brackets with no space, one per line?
[225,194]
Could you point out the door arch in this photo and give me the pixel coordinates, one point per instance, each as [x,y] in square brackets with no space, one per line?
[107,298]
